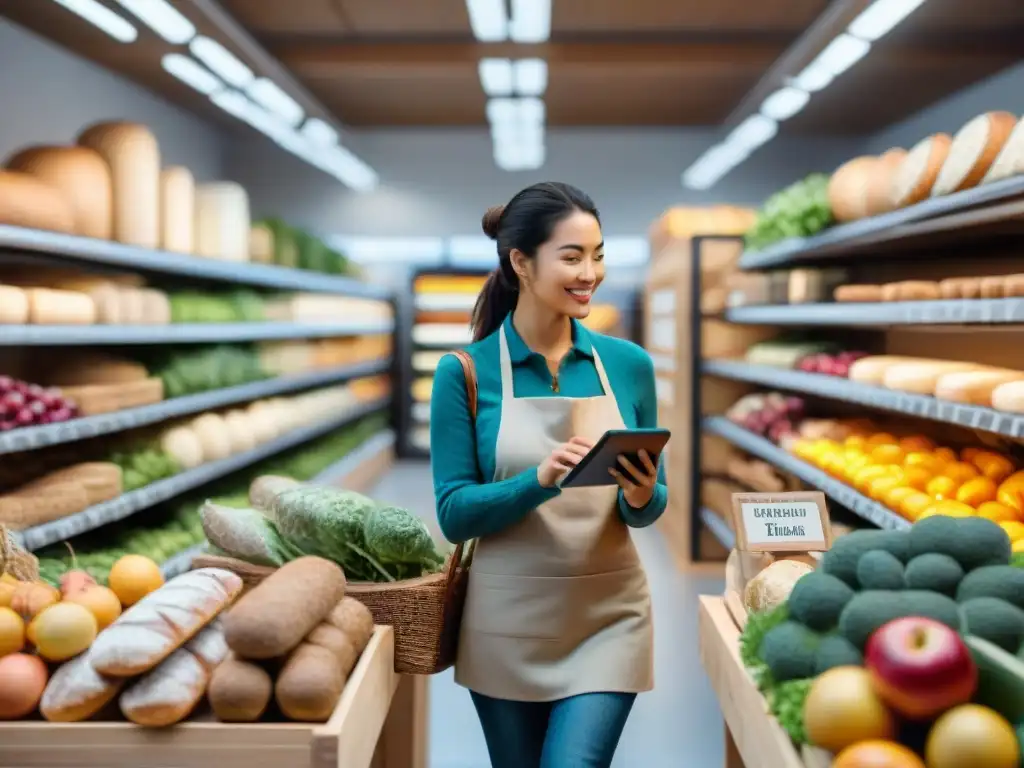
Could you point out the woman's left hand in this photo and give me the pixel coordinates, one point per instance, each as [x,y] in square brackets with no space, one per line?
[637,483]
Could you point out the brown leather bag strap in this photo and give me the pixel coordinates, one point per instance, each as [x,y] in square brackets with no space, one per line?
[469,371]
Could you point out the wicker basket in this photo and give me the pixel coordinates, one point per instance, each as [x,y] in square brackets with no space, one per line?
[16,561]
[425,613]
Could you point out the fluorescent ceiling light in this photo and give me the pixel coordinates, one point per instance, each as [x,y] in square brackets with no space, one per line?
[712,166]
[348,169]
[102,18]
[472,249]
[531,77]
[319,132]
[191,73]
[163,18]
[516,133]
[752,133]
[531,21]
[528,111]
[488,20]
[221,61]
[395,249]
[785,103]
[879,18]
[519,157]
[496,77]
[813,79]
[269,94]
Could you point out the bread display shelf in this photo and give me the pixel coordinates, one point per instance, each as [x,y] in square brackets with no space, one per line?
[951,312]
[846,238]
[347,740]
[32,438]
[129,503]
[721,530]
[923,406]
[445,302]
[181,333]
[181,562]
[856,502]
[753,737]
[115,254]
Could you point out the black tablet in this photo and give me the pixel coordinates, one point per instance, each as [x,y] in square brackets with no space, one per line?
[593,468]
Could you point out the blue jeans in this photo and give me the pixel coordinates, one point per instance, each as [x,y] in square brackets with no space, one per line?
[578,732]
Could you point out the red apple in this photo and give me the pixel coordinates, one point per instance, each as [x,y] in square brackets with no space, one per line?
[920,667]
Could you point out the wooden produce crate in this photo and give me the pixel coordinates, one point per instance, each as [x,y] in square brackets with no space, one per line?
[753,738]
[348,740]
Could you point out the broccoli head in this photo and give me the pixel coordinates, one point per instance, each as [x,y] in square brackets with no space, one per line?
[841,560]
[1002,581]
[931,605]
[935,573]
[868,611]
[789,651]
[972,541]
[879,569]
[995,620]
[817,600]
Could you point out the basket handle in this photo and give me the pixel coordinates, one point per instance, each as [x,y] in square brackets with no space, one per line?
[450,569]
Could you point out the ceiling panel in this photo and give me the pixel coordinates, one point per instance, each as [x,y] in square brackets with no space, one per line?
[277,17]
[405,18]
[667,16]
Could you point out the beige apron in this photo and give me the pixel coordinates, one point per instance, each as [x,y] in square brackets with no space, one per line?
[558,604]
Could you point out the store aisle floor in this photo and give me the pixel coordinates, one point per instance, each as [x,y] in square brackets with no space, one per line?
[677,724]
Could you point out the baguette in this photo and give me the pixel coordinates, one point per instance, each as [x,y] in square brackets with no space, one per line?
[239,690]
[162,621]
[914,179]
[76,691]
[858,293]
[974,149]
[168,693]
[974,387]
[274,617]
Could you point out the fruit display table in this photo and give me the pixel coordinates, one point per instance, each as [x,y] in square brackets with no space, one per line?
[752,737]
[380,722]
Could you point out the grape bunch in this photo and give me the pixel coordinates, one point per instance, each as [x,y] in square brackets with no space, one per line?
[28,405]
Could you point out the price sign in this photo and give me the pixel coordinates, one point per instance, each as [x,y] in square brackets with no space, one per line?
[781,522]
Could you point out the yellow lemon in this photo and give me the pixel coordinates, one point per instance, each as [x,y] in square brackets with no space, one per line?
[942,487]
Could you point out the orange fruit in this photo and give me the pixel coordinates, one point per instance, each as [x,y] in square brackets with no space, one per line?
[887,454]
[133,577]
[942,487]
[842,708]
[972,736]
[992,465]
[862,477]
[976,491]
[917,477]
[882,438]
[968,453]
[896,496]
[926,461]
[948,508]
[960,471]
[877,753]
[945,455]
[878,488]
[855,441]
[998,513]
[1014,529]
[916,443]
[915,504]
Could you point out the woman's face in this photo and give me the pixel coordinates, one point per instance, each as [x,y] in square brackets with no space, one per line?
[568,267]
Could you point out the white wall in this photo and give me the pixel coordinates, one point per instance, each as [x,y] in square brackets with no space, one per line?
[1003,91]
[49,95]
[439,182]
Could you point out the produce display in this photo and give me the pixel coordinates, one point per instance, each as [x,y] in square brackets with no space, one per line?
[772,415]
[903,645]
[823,357]
[799,210]
[25,405]
[188,370]
[274,242]
[986,287]
[142,463]
[237,306]
[60,493]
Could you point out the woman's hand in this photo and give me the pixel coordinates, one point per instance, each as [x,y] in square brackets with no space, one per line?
[562,460]
[637,483]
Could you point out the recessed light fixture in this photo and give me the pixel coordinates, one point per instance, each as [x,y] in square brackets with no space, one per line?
[163,18]
[319,132]
[785,103]
[191,72]
[102,18]
[531,77]
[488,20]
[496,76]
[752,133]
[530,21]
[268,93]
[879,18]
[221,61]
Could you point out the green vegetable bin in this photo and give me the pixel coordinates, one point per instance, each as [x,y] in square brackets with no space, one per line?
[425,612]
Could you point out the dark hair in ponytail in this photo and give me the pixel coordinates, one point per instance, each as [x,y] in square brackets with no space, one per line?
[524,224]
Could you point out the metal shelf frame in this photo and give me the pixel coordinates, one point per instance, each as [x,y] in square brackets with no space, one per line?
[180,333]
[856,502]
[834,388]
[129,503]
[33,438]
[111,254]
[884,314]
[718,527]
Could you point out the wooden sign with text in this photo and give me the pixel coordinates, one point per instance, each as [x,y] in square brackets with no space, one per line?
[796,521]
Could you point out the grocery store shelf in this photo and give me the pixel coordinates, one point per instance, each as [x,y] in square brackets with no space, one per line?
[181,562]
[31,438]
[948,213]
[129,503]
[115,254]
[718,527]
[834,388]
[951,312]
[856,502]
[337,472]
[445,302]
[181,333]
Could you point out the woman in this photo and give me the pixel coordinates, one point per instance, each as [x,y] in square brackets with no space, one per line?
[556,637]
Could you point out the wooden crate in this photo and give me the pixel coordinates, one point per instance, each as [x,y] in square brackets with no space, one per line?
[348,740]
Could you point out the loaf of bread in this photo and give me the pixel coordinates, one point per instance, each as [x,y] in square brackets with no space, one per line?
[1009,397]
[239,690]
[974,387]
[1010,160]
[871,370]
[921,376]
[168,693]
[76,691]
[974,149]
[916,175]
[858,293]
[162,621]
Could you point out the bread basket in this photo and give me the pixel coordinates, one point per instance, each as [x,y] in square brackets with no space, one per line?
[14,560]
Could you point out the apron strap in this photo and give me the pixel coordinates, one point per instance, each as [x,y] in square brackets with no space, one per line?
[505,360]
[601,374]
